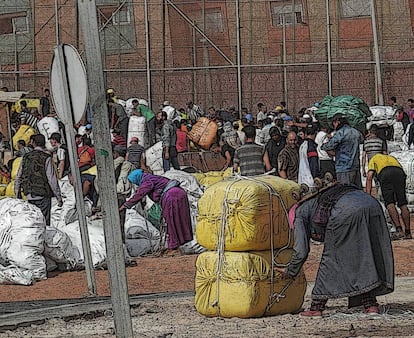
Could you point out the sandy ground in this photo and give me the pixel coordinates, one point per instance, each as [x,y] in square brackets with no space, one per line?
[177,316]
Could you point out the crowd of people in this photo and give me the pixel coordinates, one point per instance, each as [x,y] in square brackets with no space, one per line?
[292,146]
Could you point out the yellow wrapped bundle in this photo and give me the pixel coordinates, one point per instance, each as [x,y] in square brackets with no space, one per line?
[4,181]
[242,213]
[241,285]
[10,189]
[209,178]
[15,167]
[23,133]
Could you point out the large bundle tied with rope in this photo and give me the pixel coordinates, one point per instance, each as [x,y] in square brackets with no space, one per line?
[203,133]
[246,213]
[353,108]
[212,177]
[245,284]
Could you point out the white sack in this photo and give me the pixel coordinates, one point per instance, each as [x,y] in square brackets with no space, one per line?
[22,228]
[96,239]
[12,274]
[153,157]
[59,247]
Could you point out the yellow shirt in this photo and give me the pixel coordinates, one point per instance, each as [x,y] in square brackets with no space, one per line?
[381,161]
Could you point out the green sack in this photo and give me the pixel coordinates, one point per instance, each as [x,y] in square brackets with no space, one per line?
[154,215]
[353,108]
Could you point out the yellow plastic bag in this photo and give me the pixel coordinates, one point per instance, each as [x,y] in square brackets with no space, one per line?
[23,133]
[244,212]
[15,167]
[242,286]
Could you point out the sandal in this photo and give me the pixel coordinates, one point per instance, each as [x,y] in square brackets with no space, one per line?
[311,313]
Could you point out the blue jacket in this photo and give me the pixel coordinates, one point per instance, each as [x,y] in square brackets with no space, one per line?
[345,143]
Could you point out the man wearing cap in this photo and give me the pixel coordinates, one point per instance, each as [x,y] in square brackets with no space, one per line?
[344,145]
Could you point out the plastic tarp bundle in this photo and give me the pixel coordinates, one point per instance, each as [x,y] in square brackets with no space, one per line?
[23,133]
[242,284]
[128,105]
[353,108]
[203,133]
[246,213]
[59,248]
[60,216]
[171,112]
[209,178]
[141,236]
[153,157]
[47,126]
[96,239]
[15,168]
[191,187]
[381,115]
[12,274]
[393,146]
[399,134]
[136,128]
[22,228]
[406,159]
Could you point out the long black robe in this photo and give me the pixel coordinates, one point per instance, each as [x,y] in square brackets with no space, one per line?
[357,256]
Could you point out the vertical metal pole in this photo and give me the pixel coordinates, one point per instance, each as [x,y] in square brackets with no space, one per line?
[164,14]
[239,80]
[284,58]
[106,172]
[57,22]
[147,52]
[16,59]
[9,131]
[293,74]
[194,98]
[328,48]
[80,206]
[378,74]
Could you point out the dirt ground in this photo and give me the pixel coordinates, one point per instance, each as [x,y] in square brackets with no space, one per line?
[177,317]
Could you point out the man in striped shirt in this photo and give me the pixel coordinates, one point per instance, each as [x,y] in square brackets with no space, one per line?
[136,153]
[249,156]
[26,117]
[372,145]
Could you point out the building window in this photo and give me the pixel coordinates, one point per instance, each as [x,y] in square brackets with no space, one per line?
[12,23]
[282,12]
[214,21]
[355,8]
[114,15]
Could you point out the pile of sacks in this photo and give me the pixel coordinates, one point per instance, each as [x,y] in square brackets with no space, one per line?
[243,223]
